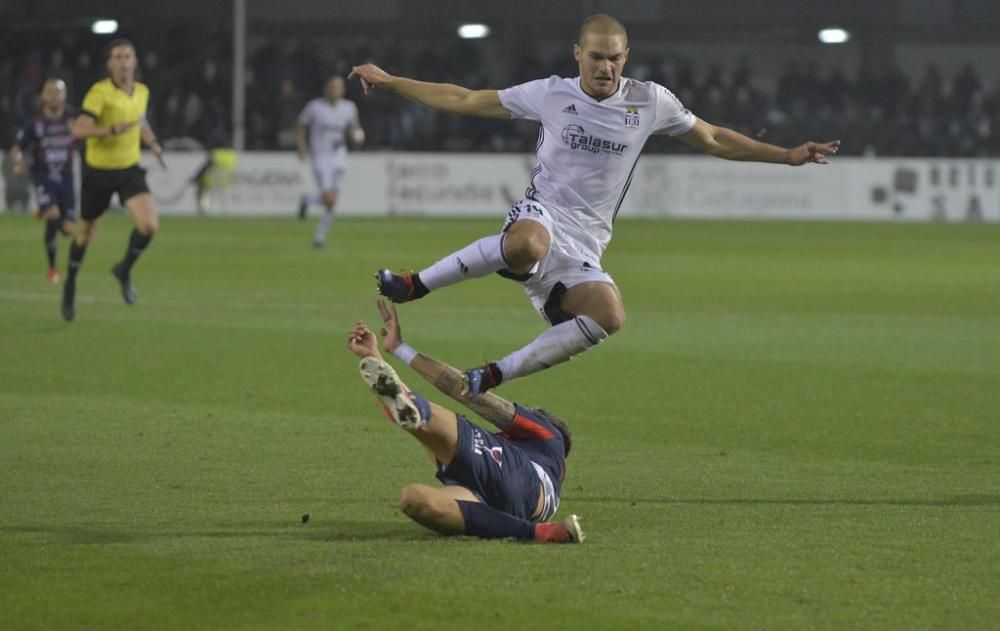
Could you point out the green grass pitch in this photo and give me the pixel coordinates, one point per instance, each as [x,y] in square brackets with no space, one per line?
[798,428]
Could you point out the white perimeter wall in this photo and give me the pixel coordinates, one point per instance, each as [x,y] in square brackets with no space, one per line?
[663,186]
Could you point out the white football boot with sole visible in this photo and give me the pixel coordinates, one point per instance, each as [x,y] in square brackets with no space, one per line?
[394,396]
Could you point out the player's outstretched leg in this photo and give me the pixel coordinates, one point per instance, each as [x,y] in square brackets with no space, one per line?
[488,523]
[405,410]
[456,510]
[524,244]
[476,260]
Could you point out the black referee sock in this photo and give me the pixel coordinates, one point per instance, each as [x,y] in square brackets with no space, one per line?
[51,229]
[76,253]
[137,242]
[489,523]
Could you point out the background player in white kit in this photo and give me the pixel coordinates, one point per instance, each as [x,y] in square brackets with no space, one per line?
[592,130]
[331,120]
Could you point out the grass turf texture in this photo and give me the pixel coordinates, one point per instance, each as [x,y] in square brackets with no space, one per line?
[797,428]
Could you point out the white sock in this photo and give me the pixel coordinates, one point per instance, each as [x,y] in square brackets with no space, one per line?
[554,346]
[323,227]
[475,260]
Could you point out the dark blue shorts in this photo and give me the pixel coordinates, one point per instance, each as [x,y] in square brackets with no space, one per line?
[52,192]
[493,468]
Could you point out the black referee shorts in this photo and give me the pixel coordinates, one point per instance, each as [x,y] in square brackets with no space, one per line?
[100,184]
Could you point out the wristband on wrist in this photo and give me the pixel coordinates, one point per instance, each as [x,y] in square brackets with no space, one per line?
[405,353]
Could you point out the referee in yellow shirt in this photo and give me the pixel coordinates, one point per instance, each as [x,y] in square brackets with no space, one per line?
[113,120]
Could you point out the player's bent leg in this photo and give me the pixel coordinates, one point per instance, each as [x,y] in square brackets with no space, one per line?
[592,312]
[436,508]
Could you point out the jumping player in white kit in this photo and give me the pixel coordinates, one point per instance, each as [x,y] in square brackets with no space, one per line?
[331,120]
[593,128]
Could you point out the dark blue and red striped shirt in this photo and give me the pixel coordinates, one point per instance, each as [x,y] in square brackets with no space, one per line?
[51,144]
[541,441]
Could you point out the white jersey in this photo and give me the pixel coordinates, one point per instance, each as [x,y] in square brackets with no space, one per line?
[328,124]
[587,149]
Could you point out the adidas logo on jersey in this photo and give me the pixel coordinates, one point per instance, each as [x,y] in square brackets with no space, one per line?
[571,109]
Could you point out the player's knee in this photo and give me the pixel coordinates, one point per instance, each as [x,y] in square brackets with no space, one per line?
[611,322]
[412,500]
[527,246]
[419,503]
[85,234]
[149,227]
[329,200]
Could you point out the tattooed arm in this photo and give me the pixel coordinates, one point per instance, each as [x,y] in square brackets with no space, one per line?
[447,379]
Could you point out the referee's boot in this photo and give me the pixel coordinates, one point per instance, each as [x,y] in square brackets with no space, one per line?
[402,287]
[128,291]
[69,300]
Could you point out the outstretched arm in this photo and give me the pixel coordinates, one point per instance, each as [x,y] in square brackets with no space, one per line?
[445,97]
[731,145]
[447,379]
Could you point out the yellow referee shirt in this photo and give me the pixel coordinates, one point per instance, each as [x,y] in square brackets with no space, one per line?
[110,105]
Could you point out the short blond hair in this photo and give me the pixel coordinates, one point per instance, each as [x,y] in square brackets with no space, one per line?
[601,24]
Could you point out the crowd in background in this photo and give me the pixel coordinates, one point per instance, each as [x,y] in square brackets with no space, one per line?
[888,114]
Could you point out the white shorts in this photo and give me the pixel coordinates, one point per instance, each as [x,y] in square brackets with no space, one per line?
[565,265]
[328,171]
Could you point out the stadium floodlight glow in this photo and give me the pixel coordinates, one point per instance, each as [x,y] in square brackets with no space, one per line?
[104,27]
[473,31]
[834,36]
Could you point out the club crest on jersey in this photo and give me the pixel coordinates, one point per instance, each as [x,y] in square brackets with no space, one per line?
[632,117]
[480,448]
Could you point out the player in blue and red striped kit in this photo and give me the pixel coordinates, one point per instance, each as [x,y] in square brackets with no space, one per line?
[496,485]
[48,139]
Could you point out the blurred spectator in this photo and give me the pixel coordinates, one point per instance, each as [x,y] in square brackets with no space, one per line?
[57,69]
[287,106]
[931,113]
